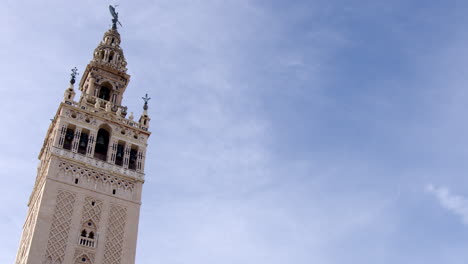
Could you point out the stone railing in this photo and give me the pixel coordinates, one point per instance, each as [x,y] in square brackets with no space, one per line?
[87,242]
[97,163]
[102,107]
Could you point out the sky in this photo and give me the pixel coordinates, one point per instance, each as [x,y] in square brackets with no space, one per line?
[305,131]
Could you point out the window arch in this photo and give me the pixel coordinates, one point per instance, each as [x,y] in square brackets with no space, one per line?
[83,259]
[88,234]
[83,143]
[133,157]
[111,56]
[102,144]
[69,135]
[105,91]
[120,153]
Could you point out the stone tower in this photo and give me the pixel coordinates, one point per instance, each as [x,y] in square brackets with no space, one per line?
[85,204]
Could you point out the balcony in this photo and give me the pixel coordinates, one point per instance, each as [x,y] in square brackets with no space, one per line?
[87,242]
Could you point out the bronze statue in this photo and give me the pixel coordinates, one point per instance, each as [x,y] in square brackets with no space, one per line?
[115,16]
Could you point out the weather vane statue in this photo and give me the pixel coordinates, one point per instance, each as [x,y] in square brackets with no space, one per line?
[115,16]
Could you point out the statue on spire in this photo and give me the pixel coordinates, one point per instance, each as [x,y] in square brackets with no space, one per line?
[73,75]
[115,16]
[146,99]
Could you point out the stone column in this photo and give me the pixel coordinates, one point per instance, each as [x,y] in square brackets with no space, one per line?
[106,55]
[91,143]
[112,150]
[60,138]
[127,155]
[140,160]
[91,86]
[76,139]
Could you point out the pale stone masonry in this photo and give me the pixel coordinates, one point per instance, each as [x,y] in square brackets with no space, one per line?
[85,204]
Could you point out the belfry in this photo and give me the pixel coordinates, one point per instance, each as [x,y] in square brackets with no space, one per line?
[85,205]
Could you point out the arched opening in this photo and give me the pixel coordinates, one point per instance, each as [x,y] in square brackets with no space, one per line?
[88,234]
[119,156]
[69,135]
[83,145]
[133,158]
[83,259]
[111,56]
[105,91]
[102,144]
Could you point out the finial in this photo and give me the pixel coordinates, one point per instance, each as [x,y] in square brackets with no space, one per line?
[146,99]
[115,16]
[73,75]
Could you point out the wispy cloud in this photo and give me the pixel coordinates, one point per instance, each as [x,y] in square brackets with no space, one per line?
[456,204]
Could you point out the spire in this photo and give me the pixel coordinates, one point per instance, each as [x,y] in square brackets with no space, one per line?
[70,92]
[109,53]
[105,78]
[146,99]
[144,119]
[73,75]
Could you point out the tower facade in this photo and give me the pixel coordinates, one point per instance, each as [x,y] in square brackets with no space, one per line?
[85,204]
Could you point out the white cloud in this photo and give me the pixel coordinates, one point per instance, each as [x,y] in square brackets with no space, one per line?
[454,203]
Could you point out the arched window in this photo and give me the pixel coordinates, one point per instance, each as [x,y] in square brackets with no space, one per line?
[104,92]
[120,153]
[83,142]
[111,56]
[133,158]
[69,135]
[83,259]
[87,235]
[102,144]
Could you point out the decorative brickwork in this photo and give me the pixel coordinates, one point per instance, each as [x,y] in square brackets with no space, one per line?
[105,180]
[60,228]
[92,210]
[82,254]
[115,235]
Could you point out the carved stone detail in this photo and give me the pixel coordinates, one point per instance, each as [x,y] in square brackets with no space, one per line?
[92,210]
[101,181]
[115,235]
[82,253]
[61,223]
[97,163]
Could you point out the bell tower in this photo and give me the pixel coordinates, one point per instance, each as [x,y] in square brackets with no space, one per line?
[85,204]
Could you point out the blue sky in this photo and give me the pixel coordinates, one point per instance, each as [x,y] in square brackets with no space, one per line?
[283,131]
